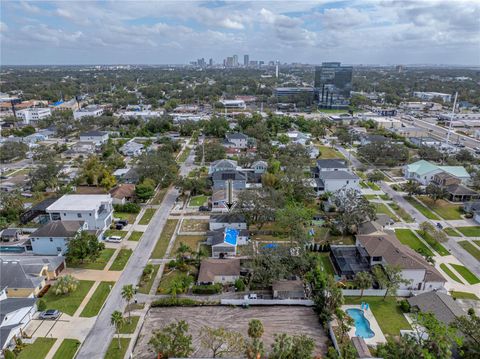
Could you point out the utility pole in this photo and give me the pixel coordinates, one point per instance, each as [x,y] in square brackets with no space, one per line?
[451,119]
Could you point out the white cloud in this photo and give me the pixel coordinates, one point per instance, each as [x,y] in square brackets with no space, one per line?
[231,24]
[3,27]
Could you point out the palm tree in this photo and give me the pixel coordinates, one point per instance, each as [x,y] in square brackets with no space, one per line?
[117,320]
[128,293]
[176,287]
[363,280]
[255,328]
[182,250]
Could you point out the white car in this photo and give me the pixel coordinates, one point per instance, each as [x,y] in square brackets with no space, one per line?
[113,239]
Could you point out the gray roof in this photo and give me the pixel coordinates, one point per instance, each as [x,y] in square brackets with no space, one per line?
[337,175]
[10,305]
[5,332]
[10,232]
[236,136]
[227,218]
[14,275]
[34,264]
[61,229]
[226,175]
[209,268]
[93,134]
[439,304]
[331,163]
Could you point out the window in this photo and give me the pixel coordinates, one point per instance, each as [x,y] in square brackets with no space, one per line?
[64,214]
[59,249]
[79,215]
[90,214]
[51,239]
[377,259]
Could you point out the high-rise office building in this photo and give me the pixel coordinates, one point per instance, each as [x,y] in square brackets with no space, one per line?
[235,60]
[333,84]
[210,62]
[246,60]
[230,61]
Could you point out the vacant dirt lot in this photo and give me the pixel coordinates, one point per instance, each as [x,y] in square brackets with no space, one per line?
[277,319]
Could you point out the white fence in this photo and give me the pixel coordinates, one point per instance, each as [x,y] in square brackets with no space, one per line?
[380,292]
[304,302]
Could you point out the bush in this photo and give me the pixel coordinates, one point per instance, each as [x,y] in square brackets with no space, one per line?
[180,302]
[207,289]
[468,215]
[41,305]
[404,306]
[127,208]
[239,285]
[8,354]
[172,264]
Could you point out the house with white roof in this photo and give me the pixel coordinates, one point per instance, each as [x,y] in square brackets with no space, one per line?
[132,149]
[97,137]
[15,314]
[423,172]
[298,137]
[96,210]
[236,140]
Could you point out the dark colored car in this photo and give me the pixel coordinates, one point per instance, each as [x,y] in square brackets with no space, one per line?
[439,225]
[123,222]
[203,209]
[50,314]
[118,226]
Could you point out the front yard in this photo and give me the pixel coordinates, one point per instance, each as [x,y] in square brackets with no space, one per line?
[130,217]
[191,241]
[471,248]
[328,152]
[194,225]
[168,279]
[407,237]
[145,286]
[115,232]
[473,231]
[68,303]
[387,313]
[470,277]
[198,201]
[438,247]
[38,350]
[444,209]
[99,264]
[421,208]
[383,209]
[67,349]
[450,273]
[135,236]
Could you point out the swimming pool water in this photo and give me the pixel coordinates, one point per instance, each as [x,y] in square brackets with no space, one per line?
[362,325]
[12,249]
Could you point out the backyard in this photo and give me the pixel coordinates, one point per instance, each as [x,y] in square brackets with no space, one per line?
[68,303]
[387,313]
[275,319]
[407,237]
[164,239]
[198,201]
[327,263]
[98,298]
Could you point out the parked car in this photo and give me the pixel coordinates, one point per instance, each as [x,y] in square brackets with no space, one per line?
[113,239]
[119,226]
[123,222]
[50,314]
[250,296]
[439,225]
[203,209]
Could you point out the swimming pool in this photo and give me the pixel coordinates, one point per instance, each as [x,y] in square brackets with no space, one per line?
[12,249]
[362,325]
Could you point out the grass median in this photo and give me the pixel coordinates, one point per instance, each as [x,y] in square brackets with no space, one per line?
[147,216]
[98,298]
[407,237]
[121,259]
[67,349]
[450,273]
[421,208]
[466,273]
[164,239]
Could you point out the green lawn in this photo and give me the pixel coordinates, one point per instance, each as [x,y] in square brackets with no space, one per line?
[129,328]
[444,209]
[421,208]
[401,212]
[38,350]
[184,155]
[382,208]
[159,196]
[327,263]
[473,231]
[99,264]
[130,217]
[98,298]
[191,241]
[407,237]
[463,295]
[471,248]
[466,273]
[438,247]
[144,287]
[68,303]
[115,232]
[121,259]
[329,152]
[373,186]
[451,232]
[67,349]
[198,201]
[370,196]
[135,236]
[387,313]
[167,280]
[147,216]
[164,239]
[114,352]
[450,273]
[363,184]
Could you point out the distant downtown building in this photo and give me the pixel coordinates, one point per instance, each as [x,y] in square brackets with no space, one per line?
[431,95]
[246,60]
[333,84]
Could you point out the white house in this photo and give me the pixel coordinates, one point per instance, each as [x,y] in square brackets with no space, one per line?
[52,238]
[423,172]
[96,210]
[236,140]
[97,137]
[91,110]
[259,166]
[132,149]
[33,115]
[331,175]
[238,104]
[15,314]
[298,137]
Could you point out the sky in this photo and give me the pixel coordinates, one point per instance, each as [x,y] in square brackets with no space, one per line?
[176,32]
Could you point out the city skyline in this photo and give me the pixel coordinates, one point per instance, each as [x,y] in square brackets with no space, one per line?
[128,32]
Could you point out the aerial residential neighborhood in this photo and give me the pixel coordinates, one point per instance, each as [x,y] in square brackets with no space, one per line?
[310,189]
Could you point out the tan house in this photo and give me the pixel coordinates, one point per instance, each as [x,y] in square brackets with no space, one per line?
[219,271]
[123,193]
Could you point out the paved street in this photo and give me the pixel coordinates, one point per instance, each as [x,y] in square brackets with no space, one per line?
[98,340]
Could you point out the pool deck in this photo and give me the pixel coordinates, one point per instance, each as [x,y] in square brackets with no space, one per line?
[378,338]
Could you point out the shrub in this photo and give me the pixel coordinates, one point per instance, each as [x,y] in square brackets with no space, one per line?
[8,354]
[404,306]
[127,208]
[180,302]
[172,264]
[207,289]
[471,311]
[41,305]
[240,285]
[468,215]
[65,285]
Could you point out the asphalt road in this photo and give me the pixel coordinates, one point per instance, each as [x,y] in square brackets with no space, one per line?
[99,337]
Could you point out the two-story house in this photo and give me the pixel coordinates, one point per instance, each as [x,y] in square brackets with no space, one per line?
[220,178]
[331,175]
[224,244]
[95,210]
[236,140]
[423,172]
[52,238]
[97,137]
[15,314]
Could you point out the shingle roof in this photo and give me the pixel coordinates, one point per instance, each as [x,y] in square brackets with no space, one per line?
[92,134]
[65,229]
[226,175]
[396,254]
[123,191]
[209,268]
[227,218]
[458,189]
[333,175]
[331,163]
[439,304]
[12,304]
[14,276]
[236,136]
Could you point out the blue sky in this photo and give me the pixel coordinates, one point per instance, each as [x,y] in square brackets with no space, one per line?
[160,32]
